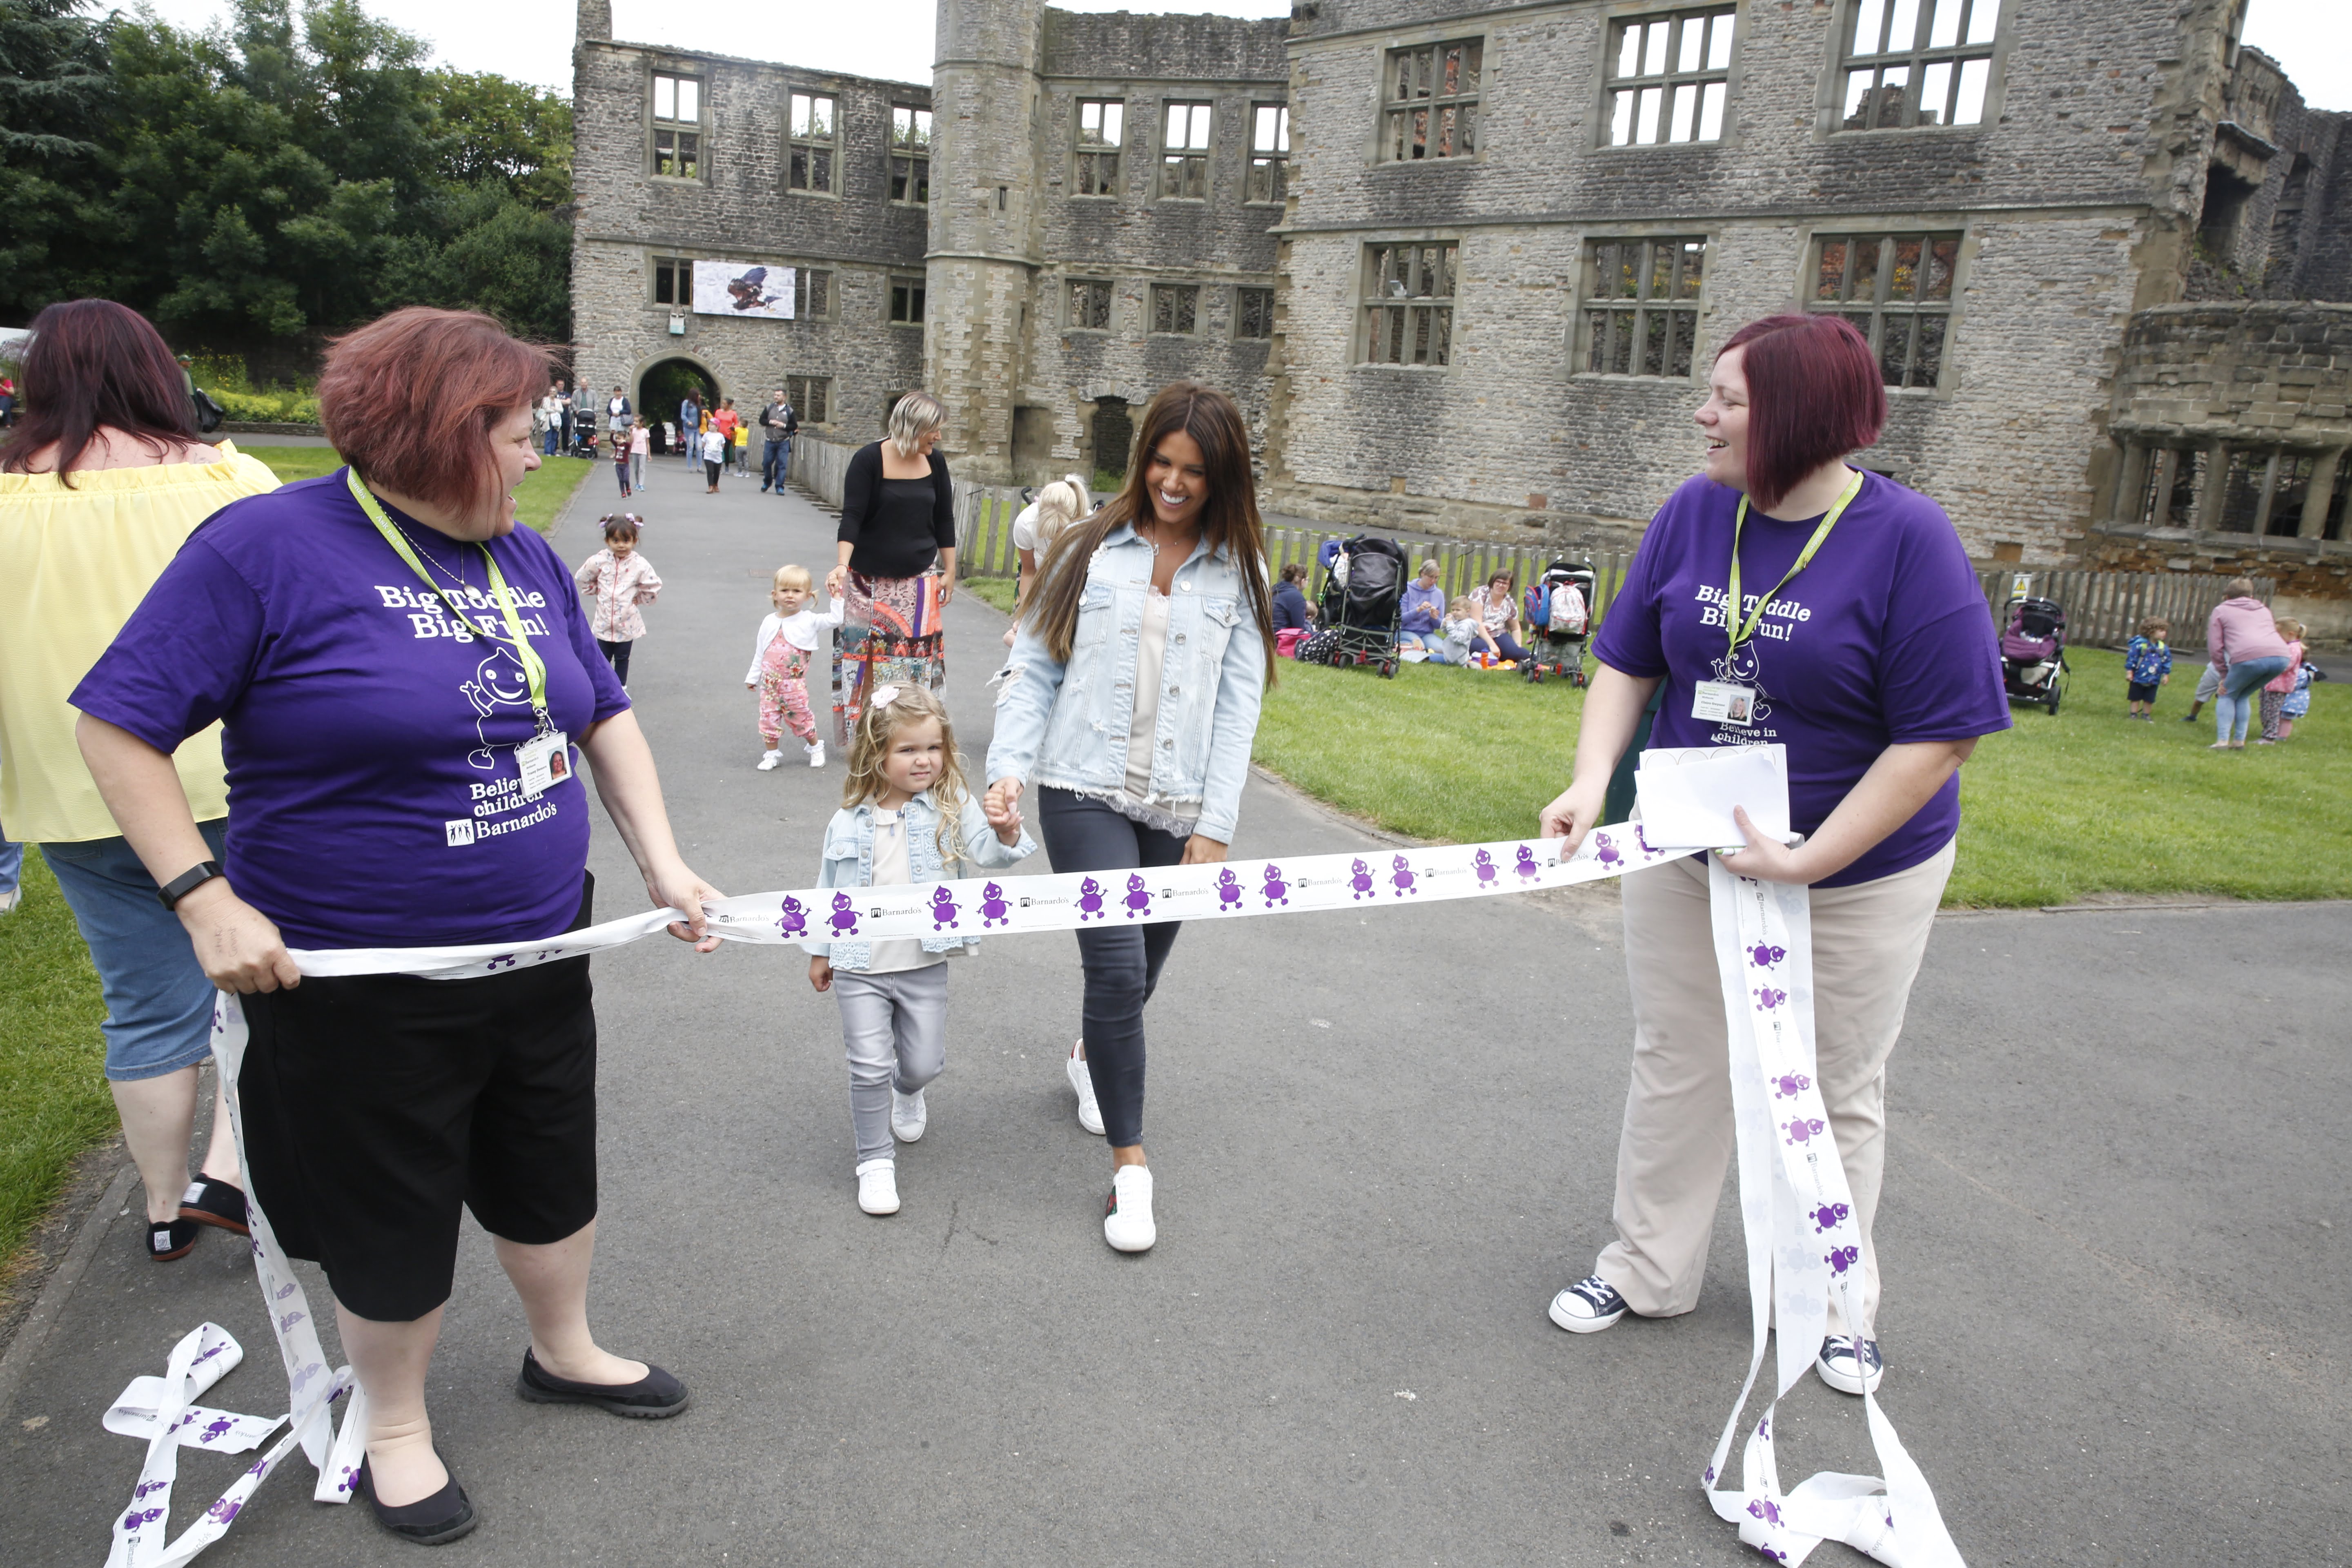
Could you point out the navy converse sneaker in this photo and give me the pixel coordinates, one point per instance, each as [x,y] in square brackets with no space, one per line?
[1589,1306]
[1850,1366]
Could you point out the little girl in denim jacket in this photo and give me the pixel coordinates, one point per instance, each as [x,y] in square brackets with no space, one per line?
[906,819]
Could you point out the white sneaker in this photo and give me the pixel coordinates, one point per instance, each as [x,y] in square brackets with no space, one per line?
[878,1187]
[908,1117]
[768,760]
[1127,1219]
[1090,1113]
[1589,1306]
[1850,1366]
[816,753]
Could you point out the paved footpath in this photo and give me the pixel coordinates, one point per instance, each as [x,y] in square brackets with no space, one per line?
[2114,1237]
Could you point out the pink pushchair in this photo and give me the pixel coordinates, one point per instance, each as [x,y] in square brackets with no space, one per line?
[2033,653]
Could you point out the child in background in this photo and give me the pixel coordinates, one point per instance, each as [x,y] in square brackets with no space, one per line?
[620,461]
[907,818]
[2298,701]
[780,661]
[616,580]
[2276,690]
[742,440]
[1464,628]
[641,446]
[714,455]
[2147,664]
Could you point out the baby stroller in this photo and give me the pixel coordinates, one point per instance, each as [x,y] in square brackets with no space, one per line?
[1558,618]
[1359,606]
[584,441]
[2033,653]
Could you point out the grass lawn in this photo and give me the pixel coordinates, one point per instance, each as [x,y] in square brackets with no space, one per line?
[2052,811]
[53,1097]
[538,498]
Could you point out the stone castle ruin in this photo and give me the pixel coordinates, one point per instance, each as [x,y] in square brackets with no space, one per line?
[1464,266]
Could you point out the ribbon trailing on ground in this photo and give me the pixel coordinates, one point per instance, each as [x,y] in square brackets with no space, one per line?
[1803,1240]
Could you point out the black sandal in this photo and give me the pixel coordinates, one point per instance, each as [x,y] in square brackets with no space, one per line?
[652,1397]
[168,1239]
[428,1521]
[211,1201]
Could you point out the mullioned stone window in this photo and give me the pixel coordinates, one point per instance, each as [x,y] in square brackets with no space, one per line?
[676,126]
[907,301]
[812,293]
[1269,153]
[812,397]
[1090,305]
[1919,62]
[1253,313]
[1408,306]
[1185,152]
[1176,309]
[1641,305]
[673,281]
[1430,101]
[1897,289]
[812,155]
[910,154]
[1102,130]
[1669,77]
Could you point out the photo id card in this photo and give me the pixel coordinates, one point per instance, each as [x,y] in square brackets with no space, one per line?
[544,761]
[1724,702]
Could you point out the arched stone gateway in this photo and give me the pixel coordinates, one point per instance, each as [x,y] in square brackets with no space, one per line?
[663,383]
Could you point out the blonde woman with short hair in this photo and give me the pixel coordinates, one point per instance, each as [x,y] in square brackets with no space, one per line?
[897,565]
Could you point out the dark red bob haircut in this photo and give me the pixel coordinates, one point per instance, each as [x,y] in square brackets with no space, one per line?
[93,363]
[410,401]
[1814,395]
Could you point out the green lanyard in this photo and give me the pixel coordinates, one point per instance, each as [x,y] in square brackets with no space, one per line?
[1741,631]
[533,666]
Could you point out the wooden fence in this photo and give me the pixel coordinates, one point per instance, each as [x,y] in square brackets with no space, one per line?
[2103,608]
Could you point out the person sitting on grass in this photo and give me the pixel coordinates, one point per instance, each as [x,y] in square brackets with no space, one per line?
[1422,610]
[1464,632]
[1290,599]
[2147,664]
[1497,604]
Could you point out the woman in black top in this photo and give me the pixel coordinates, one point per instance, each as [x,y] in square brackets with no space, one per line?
[897,520]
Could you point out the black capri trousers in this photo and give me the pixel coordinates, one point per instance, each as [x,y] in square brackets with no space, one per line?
[375,1105]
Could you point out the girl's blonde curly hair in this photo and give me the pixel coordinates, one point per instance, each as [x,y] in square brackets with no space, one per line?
[878,726]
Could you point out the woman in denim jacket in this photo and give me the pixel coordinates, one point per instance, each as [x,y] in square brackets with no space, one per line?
[1131,699]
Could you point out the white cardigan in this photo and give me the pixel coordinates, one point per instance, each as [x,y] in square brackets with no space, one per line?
[800,630]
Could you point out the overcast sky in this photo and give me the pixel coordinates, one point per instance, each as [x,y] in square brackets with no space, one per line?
[531,39]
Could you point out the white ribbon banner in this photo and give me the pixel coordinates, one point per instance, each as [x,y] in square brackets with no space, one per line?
[1803,1238]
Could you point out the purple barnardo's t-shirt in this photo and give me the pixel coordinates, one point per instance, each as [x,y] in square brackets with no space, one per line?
[1884,638]
[374,795]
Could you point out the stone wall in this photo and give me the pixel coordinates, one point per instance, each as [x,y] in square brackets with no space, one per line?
[739,211]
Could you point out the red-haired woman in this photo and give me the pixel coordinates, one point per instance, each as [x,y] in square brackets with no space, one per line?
[98,488]
[401,749]
[1863,644]
[1131,700]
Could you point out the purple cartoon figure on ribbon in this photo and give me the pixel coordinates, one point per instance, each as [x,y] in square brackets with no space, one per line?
[845,919]
[1403,877]
[1277,891]
[1828,1217]
[1766,1509]
[140,1495]
[1768,997]
[793,921]
[1604,851]
[1764,955]
[503,961]
[349,1480]
[138,1518]
[289,1321]
[1804,1128]
[223,1510]
[1842,1259]
[1229,892]
[1139,902]
[943,909]
[1361,882]
[994,911]
[216,1429]
[1090,897]
[1486,868]
[1789,1084]
[1526,868]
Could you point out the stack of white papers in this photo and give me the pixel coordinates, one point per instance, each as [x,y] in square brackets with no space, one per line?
[1686,793]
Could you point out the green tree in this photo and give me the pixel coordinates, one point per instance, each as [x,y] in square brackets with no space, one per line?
[55,96]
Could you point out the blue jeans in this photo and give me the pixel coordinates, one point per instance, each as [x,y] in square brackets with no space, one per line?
[12,866]
[159,1005]
[550,440]
[2240,694]
[775,465]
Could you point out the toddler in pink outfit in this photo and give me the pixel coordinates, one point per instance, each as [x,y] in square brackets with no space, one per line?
[788,639]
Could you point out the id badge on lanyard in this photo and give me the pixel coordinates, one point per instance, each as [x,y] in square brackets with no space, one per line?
[544,761]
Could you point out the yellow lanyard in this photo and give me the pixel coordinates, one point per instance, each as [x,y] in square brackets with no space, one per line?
[518,639]
[1742,630]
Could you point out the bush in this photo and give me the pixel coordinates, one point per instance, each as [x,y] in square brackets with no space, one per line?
[226,378]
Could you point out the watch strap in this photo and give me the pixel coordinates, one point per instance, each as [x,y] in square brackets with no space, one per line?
[188,881]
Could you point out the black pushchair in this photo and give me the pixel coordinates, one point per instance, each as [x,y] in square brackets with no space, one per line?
[1557,616]
[1359,606]
[2033,653]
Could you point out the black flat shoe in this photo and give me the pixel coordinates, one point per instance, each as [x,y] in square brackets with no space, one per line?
[428,1521]
[650,1398]
[168,1239]
[210,1200]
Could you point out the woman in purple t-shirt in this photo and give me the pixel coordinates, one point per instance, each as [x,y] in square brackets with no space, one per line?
[1871,658]
[400,736]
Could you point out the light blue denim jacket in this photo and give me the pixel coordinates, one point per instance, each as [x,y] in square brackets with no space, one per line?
[849,863]
[1066,725]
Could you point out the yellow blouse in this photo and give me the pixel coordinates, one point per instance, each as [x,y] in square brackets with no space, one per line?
[74,563]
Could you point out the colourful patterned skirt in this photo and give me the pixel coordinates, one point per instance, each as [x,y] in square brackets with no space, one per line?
[890,636]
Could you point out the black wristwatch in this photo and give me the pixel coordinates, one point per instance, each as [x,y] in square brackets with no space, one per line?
[188,881]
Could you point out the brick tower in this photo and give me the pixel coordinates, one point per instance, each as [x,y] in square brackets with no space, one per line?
[982,257]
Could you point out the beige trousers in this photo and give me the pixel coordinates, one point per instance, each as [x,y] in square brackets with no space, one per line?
[1677,1138]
